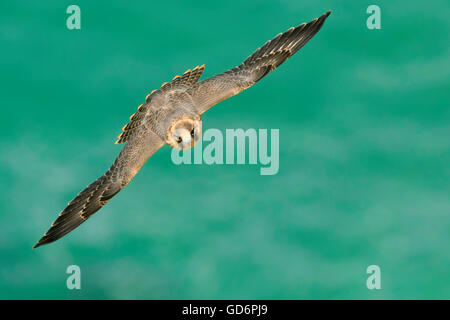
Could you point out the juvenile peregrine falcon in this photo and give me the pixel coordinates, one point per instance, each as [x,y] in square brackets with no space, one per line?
[172,115]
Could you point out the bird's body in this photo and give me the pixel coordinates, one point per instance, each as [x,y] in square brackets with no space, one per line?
[172,115]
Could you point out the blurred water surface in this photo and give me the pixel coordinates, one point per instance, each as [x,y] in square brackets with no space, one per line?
[364,153]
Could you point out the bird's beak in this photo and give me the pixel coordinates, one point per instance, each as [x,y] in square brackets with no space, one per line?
[188,141]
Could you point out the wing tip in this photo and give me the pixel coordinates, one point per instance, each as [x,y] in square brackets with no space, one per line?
[42,241]
[38,244]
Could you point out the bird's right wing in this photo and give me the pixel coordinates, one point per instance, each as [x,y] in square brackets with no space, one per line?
[132,157]
[140,143]
[211,91]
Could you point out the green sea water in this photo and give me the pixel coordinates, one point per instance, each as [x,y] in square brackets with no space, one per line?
[364,122]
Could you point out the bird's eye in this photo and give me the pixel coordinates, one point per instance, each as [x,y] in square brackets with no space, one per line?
[192,132]
[179,139]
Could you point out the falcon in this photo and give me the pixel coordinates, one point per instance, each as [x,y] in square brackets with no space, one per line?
[172,115]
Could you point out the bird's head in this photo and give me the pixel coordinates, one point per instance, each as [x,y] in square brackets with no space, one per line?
[184,132]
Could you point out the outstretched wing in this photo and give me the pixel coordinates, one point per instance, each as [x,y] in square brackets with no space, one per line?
[132,157]
[272,54]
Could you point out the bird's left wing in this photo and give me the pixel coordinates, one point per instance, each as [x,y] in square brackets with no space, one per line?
[132,157]
[273,53]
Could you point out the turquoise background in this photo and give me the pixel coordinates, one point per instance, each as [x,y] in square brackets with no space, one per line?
[364,124]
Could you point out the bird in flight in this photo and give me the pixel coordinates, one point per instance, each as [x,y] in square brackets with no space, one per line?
[172,115]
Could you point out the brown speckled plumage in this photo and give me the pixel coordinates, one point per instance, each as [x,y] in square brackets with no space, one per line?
[176,107]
